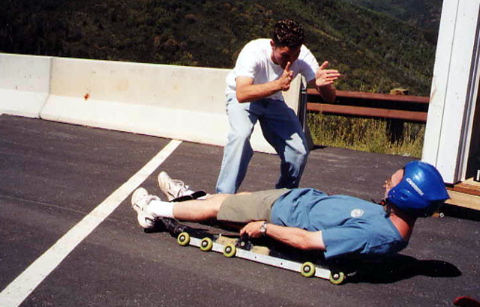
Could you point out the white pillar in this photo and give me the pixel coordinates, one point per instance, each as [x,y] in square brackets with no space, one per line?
[454,90]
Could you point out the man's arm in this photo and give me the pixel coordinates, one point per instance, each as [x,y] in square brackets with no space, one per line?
[295,237]
[323,82]
[247,91]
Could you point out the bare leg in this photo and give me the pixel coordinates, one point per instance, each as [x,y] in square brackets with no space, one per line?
[199,209]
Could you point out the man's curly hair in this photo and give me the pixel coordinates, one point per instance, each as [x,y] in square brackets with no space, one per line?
[288,33]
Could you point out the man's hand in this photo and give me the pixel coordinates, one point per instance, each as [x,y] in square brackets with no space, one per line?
[323,82]
[325,76]
[252,229]
[286,78]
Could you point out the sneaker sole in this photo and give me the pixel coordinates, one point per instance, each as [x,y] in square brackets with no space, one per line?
[170,196]
[144,222]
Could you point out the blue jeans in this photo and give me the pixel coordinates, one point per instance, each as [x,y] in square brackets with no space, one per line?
[280,127]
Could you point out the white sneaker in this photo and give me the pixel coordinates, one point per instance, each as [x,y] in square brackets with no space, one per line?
[140,201]
[172,188]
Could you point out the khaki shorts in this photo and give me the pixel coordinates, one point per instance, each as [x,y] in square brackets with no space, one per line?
[244,208]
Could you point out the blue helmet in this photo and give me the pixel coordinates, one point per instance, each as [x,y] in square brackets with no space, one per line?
[421,191]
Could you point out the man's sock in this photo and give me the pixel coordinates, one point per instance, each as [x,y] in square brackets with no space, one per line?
[161,208]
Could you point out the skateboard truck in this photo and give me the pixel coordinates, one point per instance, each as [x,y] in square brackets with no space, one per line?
[244,242]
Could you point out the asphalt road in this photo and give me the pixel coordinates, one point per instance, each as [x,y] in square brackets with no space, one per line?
[53,177]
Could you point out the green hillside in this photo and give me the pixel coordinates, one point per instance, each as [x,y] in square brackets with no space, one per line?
[375,51]
[422,13]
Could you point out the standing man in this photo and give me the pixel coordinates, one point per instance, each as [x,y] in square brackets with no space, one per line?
[265,68]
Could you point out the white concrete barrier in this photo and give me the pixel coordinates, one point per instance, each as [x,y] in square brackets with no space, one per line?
[24,84]
[185,103]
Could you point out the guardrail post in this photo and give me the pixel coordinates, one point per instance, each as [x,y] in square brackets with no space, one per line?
[395,130]
[395,126]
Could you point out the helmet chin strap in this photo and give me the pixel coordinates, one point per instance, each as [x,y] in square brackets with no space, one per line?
[383,202]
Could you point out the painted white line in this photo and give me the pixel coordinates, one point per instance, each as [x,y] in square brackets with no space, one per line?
[19,289]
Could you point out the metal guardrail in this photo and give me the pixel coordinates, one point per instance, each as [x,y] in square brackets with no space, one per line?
[402,107]
[396,109]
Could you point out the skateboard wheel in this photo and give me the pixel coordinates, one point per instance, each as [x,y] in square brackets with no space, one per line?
[229,250]
[206,244]
[183,239]
[307,269]
[337,278]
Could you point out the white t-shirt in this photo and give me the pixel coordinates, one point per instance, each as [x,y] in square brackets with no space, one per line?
[255,61]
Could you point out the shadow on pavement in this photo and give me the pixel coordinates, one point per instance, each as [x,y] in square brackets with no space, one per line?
[403,267]
[460,212]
